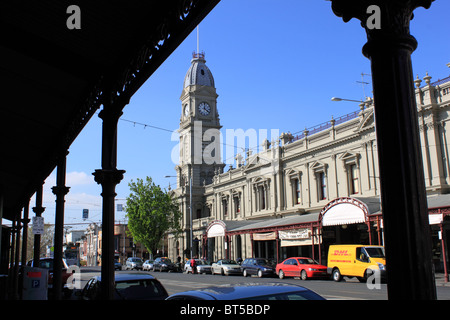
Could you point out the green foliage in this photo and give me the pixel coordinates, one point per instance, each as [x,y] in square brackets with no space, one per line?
[151,212]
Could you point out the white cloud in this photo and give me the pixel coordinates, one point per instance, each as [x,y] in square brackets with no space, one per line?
[79,178]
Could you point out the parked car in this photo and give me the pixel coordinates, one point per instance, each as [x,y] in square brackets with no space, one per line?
[117,265]
[202,265]
[226,267]
[47,263]
[301,267]
[259,266]
[164,264]
[269,291]
[128,286]
[133,263]
[147,265]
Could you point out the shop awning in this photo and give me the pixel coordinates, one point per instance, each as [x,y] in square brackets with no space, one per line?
[345,210]
[260,227]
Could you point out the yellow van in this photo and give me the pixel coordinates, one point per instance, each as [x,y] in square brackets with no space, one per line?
[355,260]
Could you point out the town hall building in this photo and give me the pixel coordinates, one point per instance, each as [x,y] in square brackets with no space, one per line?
[300,193]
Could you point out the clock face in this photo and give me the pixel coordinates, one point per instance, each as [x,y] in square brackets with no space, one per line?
[186,110]
[204,108]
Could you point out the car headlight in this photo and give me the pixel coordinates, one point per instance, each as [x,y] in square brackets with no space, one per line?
[164,265]
[381,266]
[313,269]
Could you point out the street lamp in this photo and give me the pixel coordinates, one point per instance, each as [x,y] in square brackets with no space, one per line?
[341,99]
[190,211]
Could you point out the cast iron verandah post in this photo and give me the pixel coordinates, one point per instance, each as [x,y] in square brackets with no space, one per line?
[60,190]
[403,196]
[109,177]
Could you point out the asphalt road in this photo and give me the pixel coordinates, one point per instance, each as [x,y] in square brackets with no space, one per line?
[349,289]
[346,290]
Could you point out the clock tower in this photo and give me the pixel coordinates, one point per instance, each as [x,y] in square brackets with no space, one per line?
[200,148]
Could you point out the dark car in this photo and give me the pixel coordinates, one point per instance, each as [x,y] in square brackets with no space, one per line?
[269,291]
[129,286]
[117,265]
[258,266]
[164,264]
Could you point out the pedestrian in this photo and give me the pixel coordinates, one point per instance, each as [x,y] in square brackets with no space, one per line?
[193,266]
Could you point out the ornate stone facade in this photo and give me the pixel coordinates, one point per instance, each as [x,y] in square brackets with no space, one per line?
[294,178]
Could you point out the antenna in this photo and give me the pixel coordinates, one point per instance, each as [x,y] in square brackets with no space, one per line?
[362,82]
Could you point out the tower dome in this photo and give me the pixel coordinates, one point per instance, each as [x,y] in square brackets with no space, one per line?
[198,73]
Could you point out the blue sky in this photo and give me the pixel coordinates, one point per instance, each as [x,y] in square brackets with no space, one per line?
[276,65]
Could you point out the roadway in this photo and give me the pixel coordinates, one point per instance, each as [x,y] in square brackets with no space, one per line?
[349,289]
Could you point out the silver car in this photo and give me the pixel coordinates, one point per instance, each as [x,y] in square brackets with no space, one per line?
[148,265]
[133,263]
[226,267]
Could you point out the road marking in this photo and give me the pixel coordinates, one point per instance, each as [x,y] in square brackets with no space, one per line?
[184,284]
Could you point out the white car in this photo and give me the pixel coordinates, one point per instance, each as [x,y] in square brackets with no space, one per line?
[226,267]
[147,265]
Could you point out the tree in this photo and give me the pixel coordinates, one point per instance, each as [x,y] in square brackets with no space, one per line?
[151,212]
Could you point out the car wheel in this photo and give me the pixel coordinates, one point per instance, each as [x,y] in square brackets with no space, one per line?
[303,275]
[259,273]
[222,272]
[281,274]
[337,275]
[244,273]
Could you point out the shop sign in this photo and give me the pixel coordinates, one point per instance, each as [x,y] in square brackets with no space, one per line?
[294,234]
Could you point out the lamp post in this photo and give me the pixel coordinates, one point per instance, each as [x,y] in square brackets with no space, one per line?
[190,212]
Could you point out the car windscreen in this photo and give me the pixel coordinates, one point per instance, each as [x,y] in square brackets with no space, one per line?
[46,264]
[375,252]
[139,290]
[307,261]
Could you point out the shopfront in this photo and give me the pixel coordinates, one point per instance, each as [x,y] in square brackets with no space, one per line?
[344,220]
[349,220]
[439,219]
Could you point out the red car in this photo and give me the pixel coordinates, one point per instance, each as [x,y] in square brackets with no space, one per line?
[301,267]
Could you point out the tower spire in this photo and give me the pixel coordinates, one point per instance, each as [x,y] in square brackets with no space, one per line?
[198,39]
[197,54]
